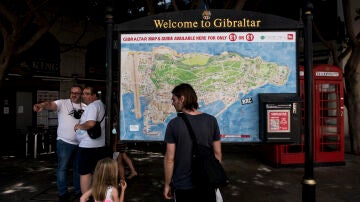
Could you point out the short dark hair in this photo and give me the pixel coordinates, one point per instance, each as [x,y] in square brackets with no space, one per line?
[93,91]
[77,86]
[189,94]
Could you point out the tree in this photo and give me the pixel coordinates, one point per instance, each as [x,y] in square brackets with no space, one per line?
[24,22]
[350,56]
[352,75]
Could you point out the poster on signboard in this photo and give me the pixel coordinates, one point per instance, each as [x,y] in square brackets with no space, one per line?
[278,121]
[227,69]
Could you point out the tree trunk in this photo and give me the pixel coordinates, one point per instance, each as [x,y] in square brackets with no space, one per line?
[352,82]
[5,58]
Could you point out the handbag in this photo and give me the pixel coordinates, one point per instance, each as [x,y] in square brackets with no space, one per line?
[95,131]
[206,168]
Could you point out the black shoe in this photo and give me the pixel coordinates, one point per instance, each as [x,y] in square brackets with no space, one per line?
[91,199]
[77,196]
[64,198]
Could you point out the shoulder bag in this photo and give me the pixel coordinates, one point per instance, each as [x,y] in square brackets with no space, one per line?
[206,168]
[95,131]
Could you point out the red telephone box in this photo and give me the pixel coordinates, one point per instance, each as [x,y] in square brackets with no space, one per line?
[329,114]
[328,122]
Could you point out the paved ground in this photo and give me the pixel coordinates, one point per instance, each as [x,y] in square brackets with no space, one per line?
[28,179]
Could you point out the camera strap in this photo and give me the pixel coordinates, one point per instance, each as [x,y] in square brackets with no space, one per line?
[74,107]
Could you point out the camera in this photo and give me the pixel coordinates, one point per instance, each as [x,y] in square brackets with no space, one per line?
[76,113]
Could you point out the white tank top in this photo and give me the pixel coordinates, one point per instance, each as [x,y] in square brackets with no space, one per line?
[108,195]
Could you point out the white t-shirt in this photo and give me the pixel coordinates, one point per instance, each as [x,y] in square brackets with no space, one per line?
[94,111]
[66,122]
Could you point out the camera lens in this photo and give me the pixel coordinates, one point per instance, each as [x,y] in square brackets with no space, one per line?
[76,114]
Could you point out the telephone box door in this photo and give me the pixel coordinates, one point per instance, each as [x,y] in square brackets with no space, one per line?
[328,114]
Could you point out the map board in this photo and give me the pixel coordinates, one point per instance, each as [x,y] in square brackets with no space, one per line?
[228,56]
[227,70]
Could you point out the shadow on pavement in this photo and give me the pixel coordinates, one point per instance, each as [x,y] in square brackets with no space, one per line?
[27,179]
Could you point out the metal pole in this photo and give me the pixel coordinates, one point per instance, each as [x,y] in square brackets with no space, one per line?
[27,144]
[308,182]
[109,80]
[35,145]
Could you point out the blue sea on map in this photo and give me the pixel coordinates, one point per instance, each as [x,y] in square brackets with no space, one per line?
[238,118]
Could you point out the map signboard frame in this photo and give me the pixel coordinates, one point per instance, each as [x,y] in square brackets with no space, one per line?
[227,69]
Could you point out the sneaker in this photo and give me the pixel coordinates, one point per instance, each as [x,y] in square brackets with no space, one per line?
[91,199]
[77,196]
[64,198]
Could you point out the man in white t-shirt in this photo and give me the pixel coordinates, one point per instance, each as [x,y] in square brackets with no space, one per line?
[69,112]
[90,150]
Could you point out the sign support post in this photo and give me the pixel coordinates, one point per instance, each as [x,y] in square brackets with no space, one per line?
[308,181]
[109,80]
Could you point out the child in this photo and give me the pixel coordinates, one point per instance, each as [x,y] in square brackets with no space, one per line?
[121,155]
[104,184]
[121,148]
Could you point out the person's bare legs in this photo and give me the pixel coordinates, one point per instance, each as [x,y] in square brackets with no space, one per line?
[128,161]
[121,167]
[85,182]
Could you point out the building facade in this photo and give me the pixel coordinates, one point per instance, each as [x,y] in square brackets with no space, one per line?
[70,53]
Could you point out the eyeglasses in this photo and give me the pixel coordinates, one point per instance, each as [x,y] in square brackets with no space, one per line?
[75,93]
[86,94]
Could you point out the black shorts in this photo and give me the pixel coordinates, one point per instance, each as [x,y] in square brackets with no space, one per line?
[195,195]
[88,157]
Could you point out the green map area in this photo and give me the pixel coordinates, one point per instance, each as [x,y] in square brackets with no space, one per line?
[211,72]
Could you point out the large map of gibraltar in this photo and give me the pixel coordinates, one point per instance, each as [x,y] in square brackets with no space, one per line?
[227,70]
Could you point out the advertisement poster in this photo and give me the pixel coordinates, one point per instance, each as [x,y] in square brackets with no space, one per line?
[278,121]
[46,118]
[227,70]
